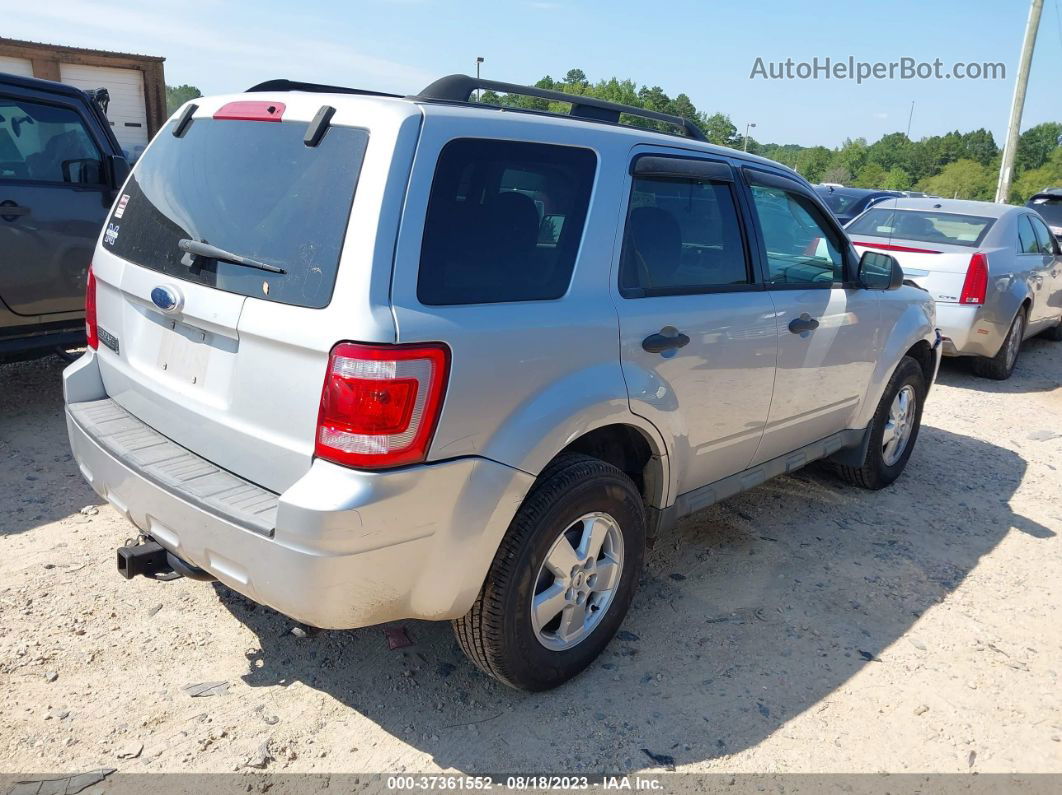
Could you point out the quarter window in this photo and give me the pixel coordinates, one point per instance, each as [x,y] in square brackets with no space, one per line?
[682,236]
[801,248]
[46,143]
[504,222]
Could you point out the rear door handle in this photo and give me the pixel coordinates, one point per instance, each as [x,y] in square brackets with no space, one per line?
[667,339]
[803,323]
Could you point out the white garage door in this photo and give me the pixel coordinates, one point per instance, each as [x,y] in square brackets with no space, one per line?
[127,112]
[16,66]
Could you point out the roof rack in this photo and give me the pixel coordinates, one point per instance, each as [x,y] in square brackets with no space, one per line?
[317,88]
[459,88]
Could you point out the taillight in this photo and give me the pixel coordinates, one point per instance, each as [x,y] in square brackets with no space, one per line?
[380,403]
[975,287]
[92,335]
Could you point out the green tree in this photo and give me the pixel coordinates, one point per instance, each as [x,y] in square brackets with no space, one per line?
[836,175]
[1036,144]
[178,95]
[963,179]
[1049,175]
[576,77]
[897,179]
[979,145]
[870,176]
[719,129]
[812,163]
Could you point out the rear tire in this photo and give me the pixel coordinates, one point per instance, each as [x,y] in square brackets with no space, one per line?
[893,430]
[548,558]
[1001,366]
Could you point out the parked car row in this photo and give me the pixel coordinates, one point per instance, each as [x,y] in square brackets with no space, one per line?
[994,270]
[355,355]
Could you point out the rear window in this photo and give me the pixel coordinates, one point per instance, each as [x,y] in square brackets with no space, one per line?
[250,188]
[504,222]
[926,227]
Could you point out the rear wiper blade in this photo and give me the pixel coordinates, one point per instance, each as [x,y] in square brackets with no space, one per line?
[201,249]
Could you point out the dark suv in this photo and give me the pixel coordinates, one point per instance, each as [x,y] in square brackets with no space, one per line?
[1048,203]
[59,167]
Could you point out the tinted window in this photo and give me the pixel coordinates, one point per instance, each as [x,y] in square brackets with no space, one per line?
[1027,243]
[924,226]
[1043,236]
[250,188]
[682,235]
[800,245]
[46,143]
[504,222]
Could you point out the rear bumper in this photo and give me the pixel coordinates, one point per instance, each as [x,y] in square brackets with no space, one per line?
[967,332]
[348,549]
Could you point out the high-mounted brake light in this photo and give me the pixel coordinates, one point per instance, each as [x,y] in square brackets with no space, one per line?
[380,403]
[975,287]
[894,247]
[92,334]
[251,111]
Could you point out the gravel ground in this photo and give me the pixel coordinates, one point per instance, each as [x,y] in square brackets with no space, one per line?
[805,626]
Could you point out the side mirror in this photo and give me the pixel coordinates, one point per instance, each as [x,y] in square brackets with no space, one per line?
[82,171]
[879,271]
[117,171]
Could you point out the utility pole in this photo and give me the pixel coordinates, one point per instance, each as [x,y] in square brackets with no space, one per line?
[750,124]
[479,94]
[909,117]
[1006,169]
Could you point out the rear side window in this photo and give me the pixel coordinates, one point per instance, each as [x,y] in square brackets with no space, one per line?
[250,188]
[504,222]
[682,236]
[1027,242]
[1043,236]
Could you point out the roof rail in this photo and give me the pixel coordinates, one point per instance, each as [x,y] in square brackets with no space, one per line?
[317,88]
[459,88]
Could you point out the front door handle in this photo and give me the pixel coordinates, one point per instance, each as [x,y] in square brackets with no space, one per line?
[667,339]
[803,323]
[9,211]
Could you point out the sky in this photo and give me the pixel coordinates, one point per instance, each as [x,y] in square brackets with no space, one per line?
[706,49]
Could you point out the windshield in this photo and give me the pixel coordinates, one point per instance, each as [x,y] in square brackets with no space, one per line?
[926,227]
[837,202]
[251,188]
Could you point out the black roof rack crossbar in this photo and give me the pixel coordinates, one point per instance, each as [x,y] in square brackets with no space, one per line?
[459,88]
[317,88]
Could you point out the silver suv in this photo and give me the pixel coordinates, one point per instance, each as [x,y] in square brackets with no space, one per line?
[364,358]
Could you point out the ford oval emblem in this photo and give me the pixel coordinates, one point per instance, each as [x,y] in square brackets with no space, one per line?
[168,299]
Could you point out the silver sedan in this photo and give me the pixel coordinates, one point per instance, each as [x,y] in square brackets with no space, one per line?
[994,270]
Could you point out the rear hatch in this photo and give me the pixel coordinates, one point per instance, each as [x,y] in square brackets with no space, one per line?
[228,359]
[934,248]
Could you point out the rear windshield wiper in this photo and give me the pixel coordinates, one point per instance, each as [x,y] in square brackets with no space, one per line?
[201,249]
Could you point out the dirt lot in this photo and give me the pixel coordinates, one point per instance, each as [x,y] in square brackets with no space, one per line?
[804,626]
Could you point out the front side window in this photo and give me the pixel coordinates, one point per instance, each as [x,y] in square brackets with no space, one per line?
[46,143]
[504,222]
[799,244]
[682,236]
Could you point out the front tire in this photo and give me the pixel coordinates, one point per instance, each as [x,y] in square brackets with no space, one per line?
[893,430]
[562,579]
[1001,366]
